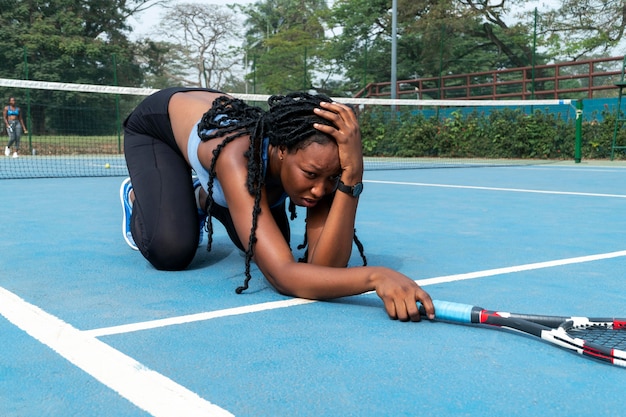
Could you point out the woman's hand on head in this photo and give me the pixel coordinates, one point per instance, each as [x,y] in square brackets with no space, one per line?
[400,295]
[346,132]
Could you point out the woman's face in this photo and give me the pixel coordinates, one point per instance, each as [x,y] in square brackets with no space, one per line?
[310,173]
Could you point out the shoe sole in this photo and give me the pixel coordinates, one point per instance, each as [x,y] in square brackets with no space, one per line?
[130,243]
[196,184]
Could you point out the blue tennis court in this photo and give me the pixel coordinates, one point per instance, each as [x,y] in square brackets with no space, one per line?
[89,328]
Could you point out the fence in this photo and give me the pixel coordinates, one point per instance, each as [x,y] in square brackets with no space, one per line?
[594,78]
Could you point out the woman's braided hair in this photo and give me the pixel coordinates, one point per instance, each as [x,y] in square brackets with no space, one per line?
[288,122]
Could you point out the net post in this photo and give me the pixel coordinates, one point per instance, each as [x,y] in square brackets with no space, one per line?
[579,131]
[117,107]
[28,118]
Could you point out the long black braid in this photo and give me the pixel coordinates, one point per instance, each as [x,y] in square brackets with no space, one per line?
[289,123]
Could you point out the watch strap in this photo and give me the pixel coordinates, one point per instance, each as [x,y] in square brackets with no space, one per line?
[354,190]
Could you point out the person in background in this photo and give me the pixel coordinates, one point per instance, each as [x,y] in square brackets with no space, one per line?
[15,126]
[249,161]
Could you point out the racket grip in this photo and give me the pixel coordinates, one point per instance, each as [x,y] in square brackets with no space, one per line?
[454,312]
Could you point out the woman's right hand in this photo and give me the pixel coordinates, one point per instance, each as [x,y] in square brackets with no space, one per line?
[400,295]
[347,134]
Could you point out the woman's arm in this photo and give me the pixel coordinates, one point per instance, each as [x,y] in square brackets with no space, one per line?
[275,260]
[330,226]
[330,230]
[398,292]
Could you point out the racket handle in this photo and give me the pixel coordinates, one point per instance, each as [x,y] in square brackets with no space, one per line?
[454,312]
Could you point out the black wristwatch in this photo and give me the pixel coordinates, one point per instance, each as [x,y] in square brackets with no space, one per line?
[354,190]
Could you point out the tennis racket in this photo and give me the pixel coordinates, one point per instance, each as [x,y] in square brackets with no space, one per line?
[603,339]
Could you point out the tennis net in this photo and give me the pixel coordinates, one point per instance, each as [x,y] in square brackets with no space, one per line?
[75,130]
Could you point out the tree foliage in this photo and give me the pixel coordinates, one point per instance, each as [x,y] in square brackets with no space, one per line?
[73,41]
[434,37]
[284,40]
[294,44]
[203,34]
[162,63]
[580,28]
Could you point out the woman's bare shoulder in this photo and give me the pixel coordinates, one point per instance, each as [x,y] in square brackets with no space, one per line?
[191,104]
[185,110]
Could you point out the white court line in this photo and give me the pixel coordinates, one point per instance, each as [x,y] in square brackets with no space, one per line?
[515,190]
[172,321]
[153,324]
[147,389]
[521,268]
[589,168]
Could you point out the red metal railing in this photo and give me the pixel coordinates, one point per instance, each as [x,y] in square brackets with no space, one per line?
[592,78]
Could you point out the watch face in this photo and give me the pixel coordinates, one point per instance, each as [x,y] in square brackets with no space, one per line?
[356,190]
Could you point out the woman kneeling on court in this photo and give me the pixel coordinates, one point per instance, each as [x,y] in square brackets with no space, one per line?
[248,161]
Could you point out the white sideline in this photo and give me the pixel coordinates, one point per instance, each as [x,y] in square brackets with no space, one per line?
[147,389]
[514,190]
[151,391]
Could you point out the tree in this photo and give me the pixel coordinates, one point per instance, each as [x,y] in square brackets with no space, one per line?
[162,63]
[206,35]
[283,41]
[583,28]
[362,43]
[434,37]
[68,40]
[77,41]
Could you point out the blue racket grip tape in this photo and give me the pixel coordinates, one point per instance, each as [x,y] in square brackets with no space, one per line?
[454,312]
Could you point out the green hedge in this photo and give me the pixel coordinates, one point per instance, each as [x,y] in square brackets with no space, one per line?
[500,133]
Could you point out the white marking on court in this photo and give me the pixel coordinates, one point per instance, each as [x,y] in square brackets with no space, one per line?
[515,190]
[255,308]
[594,168]
[520,268]
[151,391]
[147,389]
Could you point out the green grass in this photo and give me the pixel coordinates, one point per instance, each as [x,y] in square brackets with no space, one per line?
[72,145]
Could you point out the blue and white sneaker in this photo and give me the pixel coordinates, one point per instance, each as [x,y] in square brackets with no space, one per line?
[201,214]
[127,209]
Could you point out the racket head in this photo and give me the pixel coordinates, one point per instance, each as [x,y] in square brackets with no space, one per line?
[598,338]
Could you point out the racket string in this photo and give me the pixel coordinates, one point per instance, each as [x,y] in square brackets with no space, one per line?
[601,335]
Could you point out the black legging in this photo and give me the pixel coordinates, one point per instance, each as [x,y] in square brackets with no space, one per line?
[164,222]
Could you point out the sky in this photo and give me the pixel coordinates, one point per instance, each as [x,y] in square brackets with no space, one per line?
[148,20]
